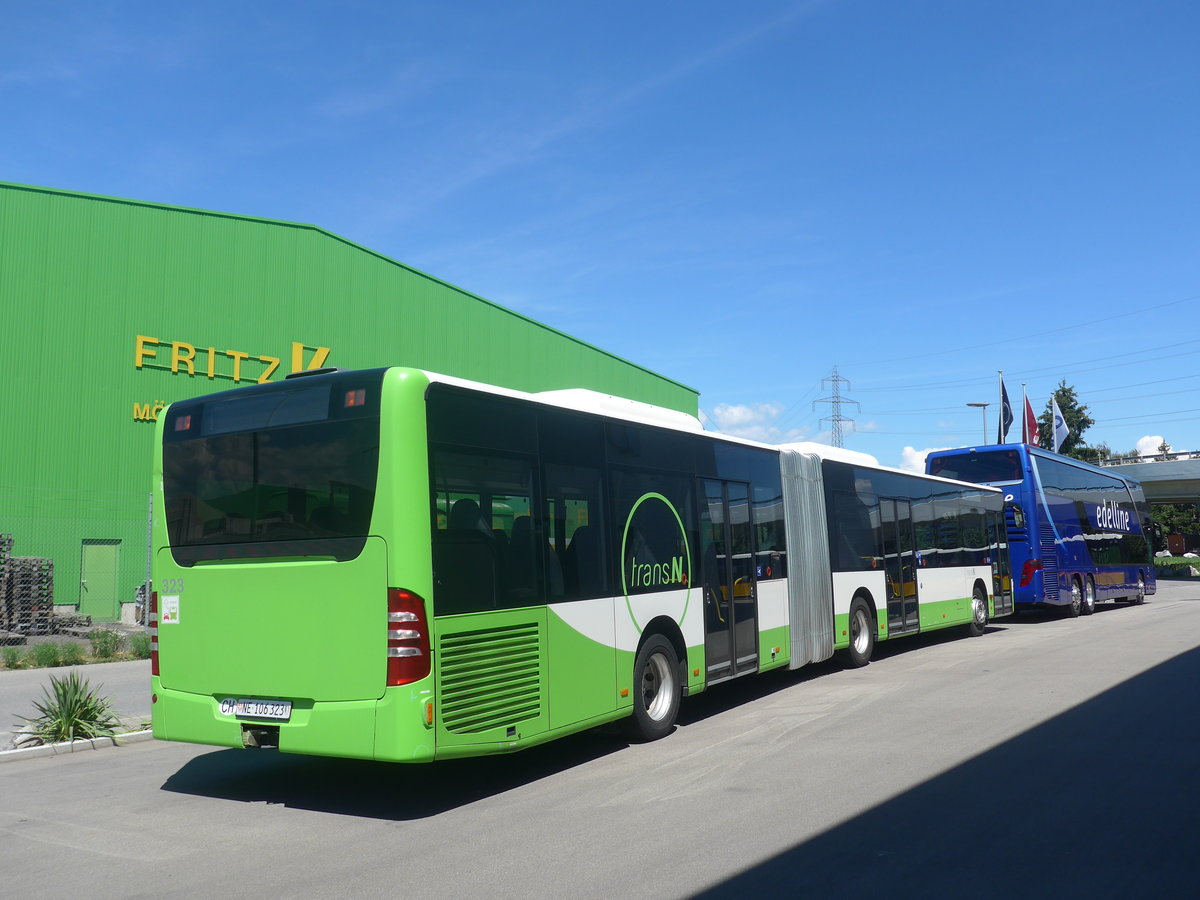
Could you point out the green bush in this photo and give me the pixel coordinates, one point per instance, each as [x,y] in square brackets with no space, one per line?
[1177,562]
[45,655]
[72,709]
[139,645]
[13,657]
[72,655]
[105,644]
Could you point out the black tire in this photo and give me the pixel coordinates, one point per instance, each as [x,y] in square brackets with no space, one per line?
[657,690]
[1089,596]
[1076,605]
[979,612]
[862,635]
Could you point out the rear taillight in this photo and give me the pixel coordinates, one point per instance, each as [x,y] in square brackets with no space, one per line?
[1031,566]
[408,658]
[153,623]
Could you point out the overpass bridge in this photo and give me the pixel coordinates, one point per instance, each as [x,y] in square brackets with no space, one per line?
[1164,480]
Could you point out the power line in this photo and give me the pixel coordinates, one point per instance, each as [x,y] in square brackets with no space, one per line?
[1090,323]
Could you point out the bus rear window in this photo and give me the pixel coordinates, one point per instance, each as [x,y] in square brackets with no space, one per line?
[991,467]
[275,472]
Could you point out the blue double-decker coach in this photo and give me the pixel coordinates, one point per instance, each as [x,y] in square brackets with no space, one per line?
[1077,534]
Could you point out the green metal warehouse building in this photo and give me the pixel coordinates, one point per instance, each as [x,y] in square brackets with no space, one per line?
[110,309]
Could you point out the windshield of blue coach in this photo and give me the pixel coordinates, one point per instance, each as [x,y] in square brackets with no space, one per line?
[979,467]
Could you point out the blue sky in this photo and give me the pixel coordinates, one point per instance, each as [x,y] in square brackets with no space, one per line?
[738,195]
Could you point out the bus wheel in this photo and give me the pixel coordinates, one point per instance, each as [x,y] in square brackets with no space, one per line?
[979,612]
[1140,597]
[657,690]
[862,635]
[1089,596]
[1076,599]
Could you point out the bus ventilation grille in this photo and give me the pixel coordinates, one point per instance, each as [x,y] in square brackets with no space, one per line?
[490,679]
[1049,562]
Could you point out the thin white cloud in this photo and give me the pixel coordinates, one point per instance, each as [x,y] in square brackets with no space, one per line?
[519,146]
[410,81]
[756,422]
[913,460]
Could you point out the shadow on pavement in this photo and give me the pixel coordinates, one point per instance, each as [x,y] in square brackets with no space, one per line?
[401,792]
[1098,802]
[393,791]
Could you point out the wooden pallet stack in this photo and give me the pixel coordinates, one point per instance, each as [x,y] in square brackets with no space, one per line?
[29,595]
[6,545]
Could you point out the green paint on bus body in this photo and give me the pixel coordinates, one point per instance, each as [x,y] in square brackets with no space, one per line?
[932,616]
[247,630]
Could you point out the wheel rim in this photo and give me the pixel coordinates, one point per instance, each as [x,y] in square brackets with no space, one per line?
[1076,596]
[658,687]
[1089,597]
[1141,594]
[980,609]
[859,634]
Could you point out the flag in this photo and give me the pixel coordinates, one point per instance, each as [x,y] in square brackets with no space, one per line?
[1006,416]
[1061,432]
[1030,429]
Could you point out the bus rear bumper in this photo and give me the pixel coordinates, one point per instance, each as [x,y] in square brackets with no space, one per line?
[349,729]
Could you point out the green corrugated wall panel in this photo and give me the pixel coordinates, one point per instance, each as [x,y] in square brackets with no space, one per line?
[82,276]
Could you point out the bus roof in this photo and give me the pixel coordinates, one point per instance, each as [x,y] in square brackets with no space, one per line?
[1031,450]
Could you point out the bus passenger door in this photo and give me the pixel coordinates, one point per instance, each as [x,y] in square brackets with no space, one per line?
[727,558]
[900,565]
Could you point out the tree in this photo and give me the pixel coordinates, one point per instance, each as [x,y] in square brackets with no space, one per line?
[1078,421]
[1177,518]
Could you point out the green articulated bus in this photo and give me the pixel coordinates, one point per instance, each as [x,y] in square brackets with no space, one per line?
[397,565]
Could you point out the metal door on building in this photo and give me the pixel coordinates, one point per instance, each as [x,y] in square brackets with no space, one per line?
[99,568]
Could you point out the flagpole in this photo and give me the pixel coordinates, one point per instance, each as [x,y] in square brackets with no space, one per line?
[1000,406]
[1024,418]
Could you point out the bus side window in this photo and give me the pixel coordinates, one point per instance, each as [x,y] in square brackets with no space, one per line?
[485,556]
[464,561]
[577,531]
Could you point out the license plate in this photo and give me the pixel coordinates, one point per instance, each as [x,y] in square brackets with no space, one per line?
[280,710]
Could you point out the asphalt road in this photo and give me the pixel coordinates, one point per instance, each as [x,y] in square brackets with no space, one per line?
[1049,758]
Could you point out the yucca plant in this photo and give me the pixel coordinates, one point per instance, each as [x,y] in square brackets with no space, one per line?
[71,709]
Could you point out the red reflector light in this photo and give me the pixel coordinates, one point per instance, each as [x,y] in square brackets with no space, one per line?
[408,653]
[356,398]
[153,622]
[1031,566]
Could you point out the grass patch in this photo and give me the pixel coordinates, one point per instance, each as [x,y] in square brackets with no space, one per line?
[139,646]
[72,655]
[45,656]
[105,644]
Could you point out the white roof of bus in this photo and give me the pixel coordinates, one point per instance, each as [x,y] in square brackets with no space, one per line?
[584,400]
[595,402]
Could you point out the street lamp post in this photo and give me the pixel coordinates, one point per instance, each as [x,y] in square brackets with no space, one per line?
[983,408]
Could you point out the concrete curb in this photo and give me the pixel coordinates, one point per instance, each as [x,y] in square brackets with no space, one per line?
[129,737]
